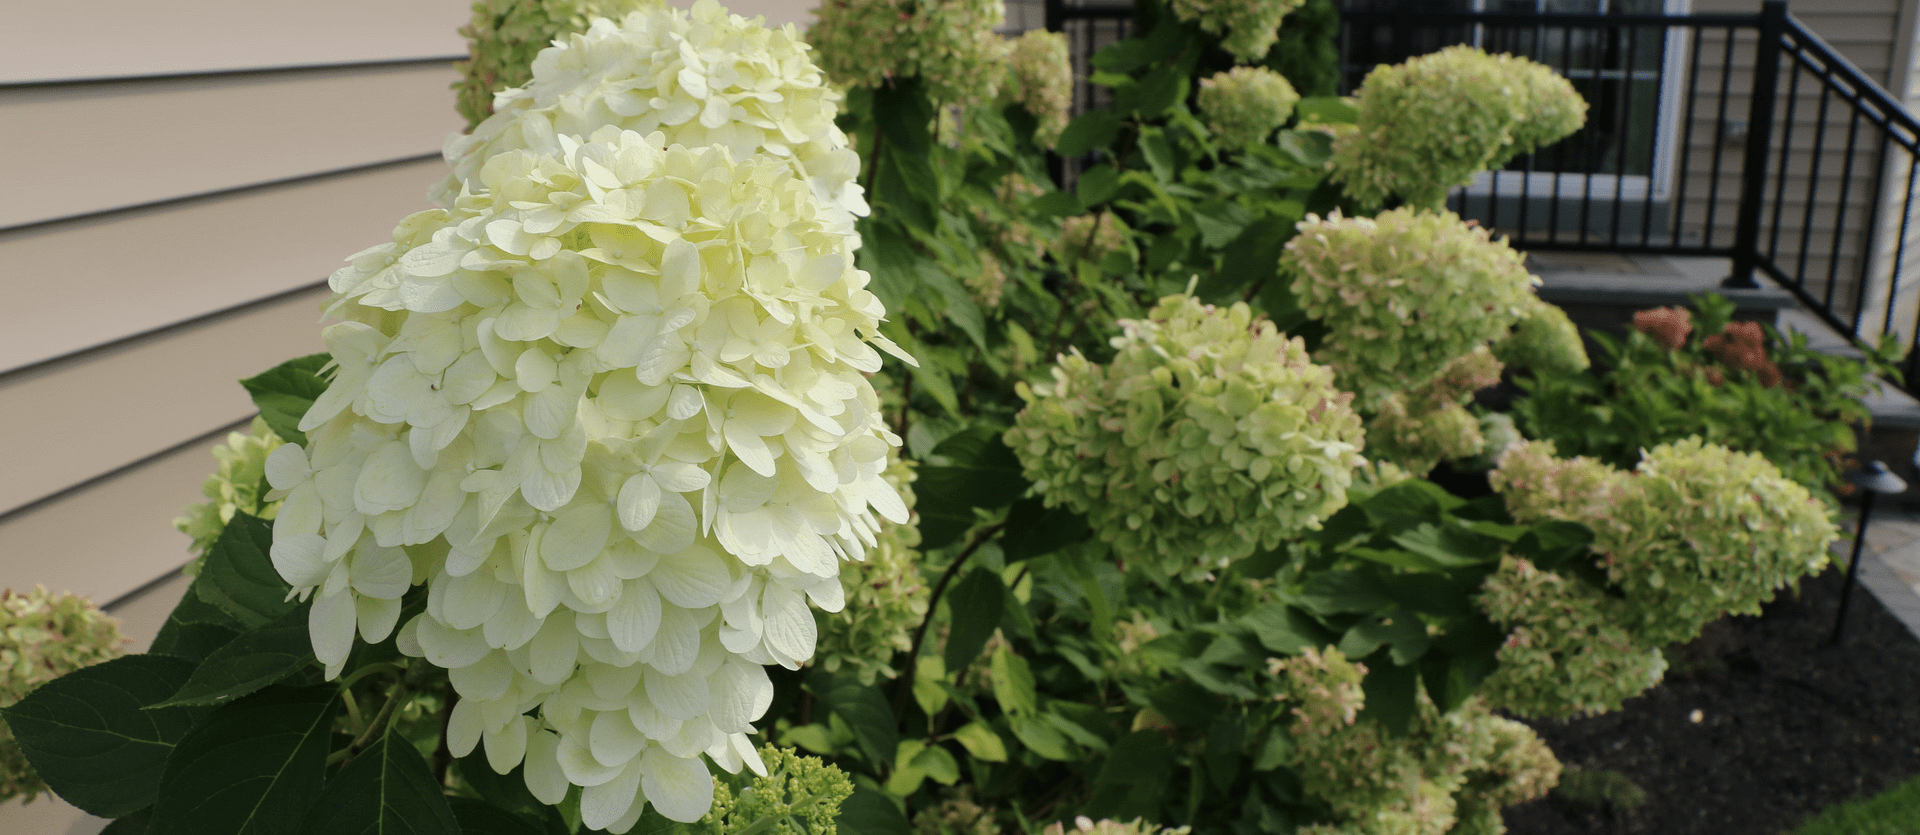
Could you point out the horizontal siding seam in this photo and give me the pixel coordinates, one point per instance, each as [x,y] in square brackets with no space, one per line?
[72,489]
[80,355]
[384,63]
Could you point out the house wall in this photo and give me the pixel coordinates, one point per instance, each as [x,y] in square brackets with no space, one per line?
[182,177]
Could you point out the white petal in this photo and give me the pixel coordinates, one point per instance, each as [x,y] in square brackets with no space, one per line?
[331,623]
[614,740]
[639,501]
[602,805]
[681,789]
[545,779]
[635,618]
[576,536]
[464,727]
[694,578]
[508,746]
[376,617]
[682,697]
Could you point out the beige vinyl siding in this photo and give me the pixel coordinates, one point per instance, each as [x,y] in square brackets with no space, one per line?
[1900,216]
[182,177]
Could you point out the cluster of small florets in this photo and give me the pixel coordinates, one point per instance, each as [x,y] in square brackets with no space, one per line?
[1245,105]
[1088,826]
[1544,341]
[1091,238]
[236,486]
[1431,123]
[1247,28]
[1448,769]
[989,283]
[611,408]
[43,636]
[1210,435]
[1695,533]
[1566,652]
[886,597]
[1041,81]
[799,795]
[949,45]
[703,77]
[504,35]
[1404,294]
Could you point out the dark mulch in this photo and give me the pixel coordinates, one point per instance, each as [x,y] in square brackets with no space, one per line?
[1787,726]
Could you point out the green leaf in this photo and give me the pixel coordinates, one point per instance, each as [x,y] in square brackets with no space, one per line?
[1183,703]
[1330,110]
[938,763]
[1041,738]
[1220,222]
[1035,530]
[240,578]
[1132,782]
[1056,204]
[982,742]
[477,817]
[255,767]
[984,473]
[134,824]
[1223,754]
[1158,154]
[1409,504]
[975,605]
[870,812]
[1097,185]
[250,662]
[285,392]
[1284,629]
[1450,546]
[1123,56]
[1401,629]
[387,789]
[1390,692]
[1251,258]
[1155,92]
[1334,592]
[1013,683]
[1090,130]
[864,710]
[1309,148]
[91,739]
[195,629]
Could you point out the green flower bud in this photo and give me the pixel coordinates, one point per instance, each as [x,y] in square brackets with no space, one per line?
[46,636]
[237,486]
[1209,436]
[1245,105]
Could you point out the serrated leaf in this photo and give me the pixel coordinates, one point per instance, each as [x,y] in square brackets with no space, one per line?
[1013,683]
[387,789]
[91,739]
[1220,222]
[1035,530]
[871,812]
[1090,130]
[254,767]
[1284,629]
[1041,738]
[1449,546]
[1097,185]
[1334,592]
[286,391]
[975,605]
[240,578]
[195,629]
[865,711]
[982,742]
[134,824]
[249,662]
[477,817]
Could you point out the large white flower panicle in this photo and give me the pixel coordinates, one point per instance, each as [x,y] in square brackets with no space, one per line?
[704,77]
[611,408]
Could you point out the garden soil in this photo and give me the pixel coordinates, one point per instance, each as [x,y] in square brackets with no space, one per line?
[1759,725]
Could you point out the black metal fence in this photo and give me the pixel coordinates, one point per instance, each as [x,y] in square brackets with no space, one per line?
[1738,136]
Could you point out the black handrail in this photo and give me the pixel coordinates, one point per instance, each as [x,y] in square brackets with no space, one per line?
[1767,68]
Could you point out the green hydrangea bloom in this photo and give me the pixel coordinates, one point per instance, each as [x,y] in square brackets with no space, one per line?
[1247,28]
[1092,238]
[949,44]
[46,635]
[1420,437]
[1545,341]
[799,795]
[504,35]
[958,812]
[1245,105]
[1089,826]
[1706,532]
[1431,123]
[1497,434]
[1209,436]
[235,486]
[1463,761]
[1538,486]
[886,597]
[1403,295]
[1041,81]
[1566,653]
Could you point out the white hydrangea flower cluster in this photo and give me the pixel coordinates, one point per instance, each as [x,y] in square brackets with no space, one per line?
[611,409]
[700,77]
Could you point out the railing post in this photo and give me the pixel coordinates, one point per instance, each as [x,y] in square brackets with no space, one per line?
[1753,173]
[1053,18]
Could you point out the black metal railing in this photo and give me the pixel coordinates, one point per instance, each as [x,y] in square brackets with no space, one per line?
[1736,136]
